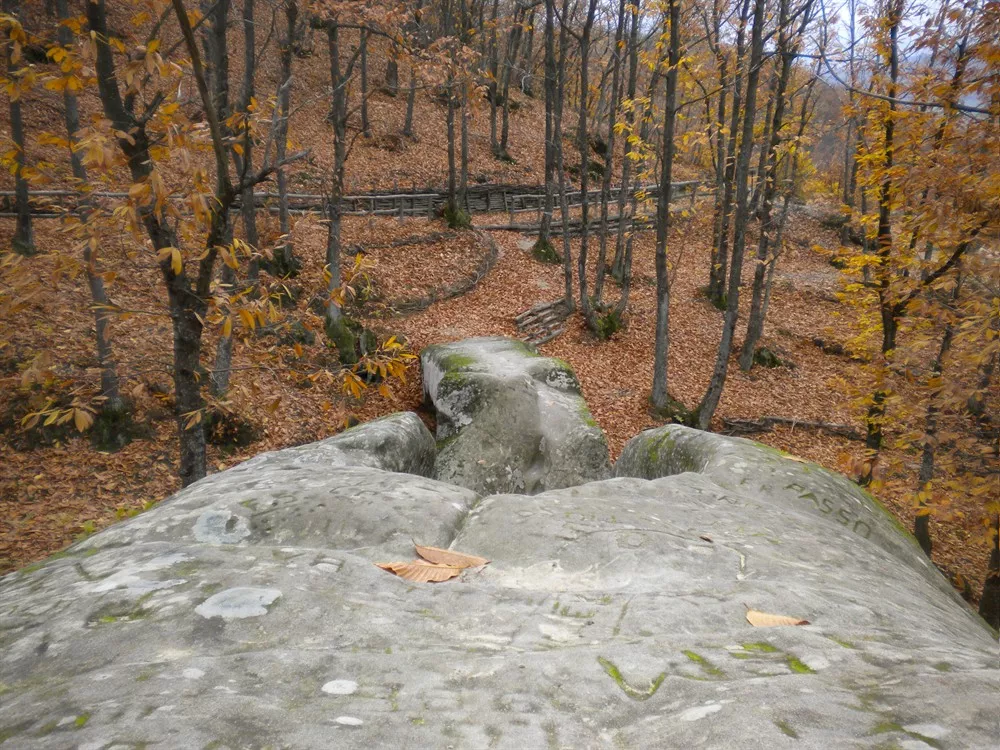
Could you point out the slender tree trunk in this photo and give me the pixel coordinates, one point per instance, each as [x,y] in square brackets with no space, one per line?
[544,242]
[392,74]
[512,44]
[411,95]
[921,525]
[244,166]
[888,308]
[336,323]
[717,276]
[494,87]
[765,152]
[721,149]
[248,211]
[285,254]
[618,265]
[561,166]
[217,58]
[463,180]
[708,405]
[23,241]
[526,78]
[767,183]
[366,129]
[583,144]
[186,300]
[850,136]
[110,382]
[660,397]
[616,94]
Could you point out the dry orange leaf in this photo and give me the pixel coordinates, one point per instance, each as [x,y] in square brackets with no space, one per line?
[448,557]
[765,620]
[420,571]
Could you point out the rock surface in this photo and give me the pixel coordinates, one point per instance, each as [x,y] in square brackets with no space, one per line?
[509,420]
[246,612]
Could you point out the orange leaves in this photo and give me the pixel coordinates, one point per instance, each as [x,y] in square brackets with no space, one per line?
[436,566]
[420,571]
[448,557]
[766,620]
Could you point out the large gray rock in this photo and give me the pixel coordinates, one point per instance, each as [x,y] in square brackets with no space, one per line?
[246,613]
[509,420]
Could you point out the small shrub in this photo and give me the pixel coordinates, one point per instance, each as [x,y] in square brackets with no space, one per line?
[766,358]
[607,323]
[544,252]
[456,218]
[227,429]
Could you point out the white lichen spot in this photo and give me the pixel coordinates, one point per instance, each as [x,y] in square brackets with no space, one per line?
[340,687]
[348,721]
[700,712]
[934,731]
[557,632]
[221,527]
[816,662]
[238,603]
[192,673]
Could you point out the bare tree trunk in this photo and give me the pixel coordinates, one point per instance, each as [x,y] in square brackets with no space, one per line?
[392,73]
[660,397]
[412,93]
[366,129]
[284,261]
[883,280]
[526,78]
[543,247]
[561,166]
[788,44]
[187,301]
[244,166]
[618,265]
[850,144]
[23,241]
[720,259]
[583,144]
[616,94]
[463,177]
[110,382]
[709,403]
[337,325]
[494,79]
[512,43]
[248,211]
[765,152]
[921,525]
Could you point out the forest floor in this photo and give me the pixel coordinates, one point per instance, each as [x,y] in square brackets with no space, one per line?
[55,486]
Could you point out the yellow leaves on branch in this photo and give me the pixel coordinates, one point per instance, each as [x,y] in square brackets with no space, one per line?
[174,256]
[436,565]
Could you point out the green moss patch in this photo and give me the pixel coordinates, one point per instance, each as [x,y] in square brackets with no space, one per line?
[632,692]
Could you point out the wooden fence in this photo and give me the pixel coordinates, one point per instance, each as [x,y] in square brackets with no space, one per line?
[509,199]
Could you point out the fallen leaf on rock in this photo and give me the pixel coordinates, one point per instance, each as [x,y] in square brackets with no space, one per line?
[448,557]
[420,571]
[765,620]
[796,458]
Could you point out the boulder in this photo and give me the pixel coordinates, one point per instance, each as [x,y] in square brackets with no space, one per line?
[510,420]
[786,481]
[246,612]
